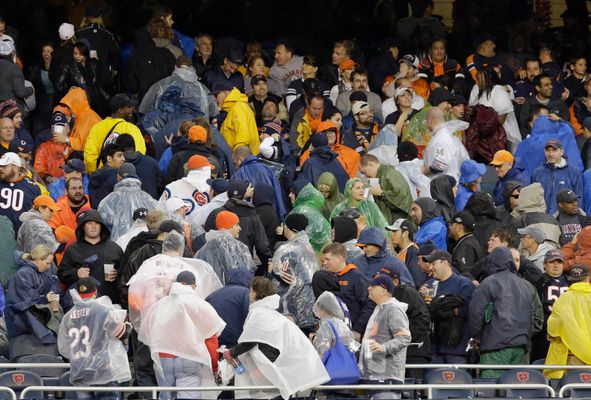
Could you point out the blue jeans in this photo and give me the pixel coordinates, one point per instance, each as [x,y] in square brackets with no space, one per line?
[180,372]
[448,359]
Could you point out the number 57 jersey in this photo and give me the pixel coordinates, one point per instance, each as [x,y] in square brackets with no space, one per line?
[88,338]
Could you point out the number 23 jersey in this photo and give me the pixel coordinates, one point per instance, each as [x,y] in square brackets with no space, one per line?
[16,198]
[88,338]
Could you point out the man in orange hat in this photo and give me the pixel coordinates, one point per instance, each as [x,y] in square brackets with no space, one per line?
[35,229]
[507,171]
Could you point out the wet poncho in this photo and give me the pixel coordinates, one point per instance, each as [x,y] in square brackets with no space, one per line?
[370,211]
[297,258]
[33,232]
[328,309]
[328,181]
[309,203]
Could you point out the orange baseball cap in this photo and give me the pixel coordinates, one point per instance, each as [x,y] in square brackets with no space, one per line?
[197,133]
[46,201]
[347,64]
[327,125]
[226,220]
[501,157]
[197,161]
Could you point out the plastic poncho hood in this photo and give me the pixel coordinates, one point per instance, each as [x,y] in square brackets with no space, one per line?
[328,183]
[367,208]
[309,203]
[327,306]
[298,366]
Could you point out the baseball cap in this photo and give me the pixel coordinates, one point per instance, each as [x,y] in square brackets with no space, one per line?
[554,143]
[141,213]
[93,11]
[21,146]
[439,96]
[357,95]
[501,157]
[218,185]
[438,255]
[127,170]
[566,196]
[357,107]
[186,278]
[578,273]
[426,248]
[236,189]
[66,31]
[257,78]
[121,100]
[411,60]
[536,233]
[226,220]
[400,224]
[11,158]
[464,218]
[311,85]
[235,56]
[46,201]
[86,288]
[478,40]
[347,64]
[401,90]
[553,255]
[382,280]
[221,86]
[197,133]
[72,165]
[470,171]
[197,161]
[169,226]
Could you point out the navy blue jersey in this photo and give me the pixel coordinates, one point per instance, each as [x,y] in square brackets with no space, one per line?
[549,290]
[16,198]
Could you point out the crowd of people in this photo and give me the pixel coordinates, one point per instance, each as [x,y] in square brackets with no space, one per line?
[219,216]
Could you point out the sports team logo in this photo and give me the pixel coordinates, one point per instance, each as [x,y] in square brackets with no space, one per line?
[523,376]
[200,198]
[585,377]
[18,378]
[448,376]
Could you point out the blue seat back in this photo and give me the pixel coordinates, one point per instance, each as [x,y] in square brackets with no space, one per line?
[44,359]
[577,376]
[26,345]
[450,376]
[524,376]
[18,380]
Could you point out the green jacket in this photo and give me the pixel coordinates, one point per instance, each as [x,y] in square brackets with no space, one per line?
[396,201]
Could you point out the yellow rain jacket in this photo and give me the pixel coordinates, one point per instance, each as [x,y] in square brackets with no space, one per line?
[569,326]
[239,127]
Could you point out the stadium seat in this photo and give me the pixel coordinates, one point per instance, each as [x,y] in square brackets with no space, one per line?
[50,375]
[577,376]
[485,392]
[65,381]
[540,361]
[450,376]
[524,376]
[26,345]
[18,380]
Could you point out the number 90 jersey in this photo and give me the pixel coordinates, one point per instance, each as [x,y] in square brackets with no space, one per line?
[87,337]
[16,198]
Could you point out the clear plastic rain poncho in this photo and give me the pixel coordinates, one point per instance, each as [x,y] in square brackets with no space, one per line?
[224,253]
[87,337]
[179,324]
[419,133]
[309,203]
[297,258]
[152,282]
[117,208]
[34,231]
[385,145]
[370,211]
[328,309]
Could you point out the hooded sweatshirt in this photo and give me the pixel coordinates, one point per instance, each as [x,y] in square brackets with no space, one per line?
[515,174]
[239,127]
[383,261]
[263,199]
[504,209]
[531,211]
[511,322]
[432,227]
[441,192]
[327,179]
[481,206]
[323,159]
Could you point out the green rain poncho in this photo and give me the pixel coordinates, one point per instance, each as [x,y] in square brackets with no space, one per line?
[335,197]
[367,208]
[309,203]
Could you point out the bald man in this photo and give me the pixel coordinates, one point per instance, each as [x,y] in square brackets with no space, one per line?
[445,152]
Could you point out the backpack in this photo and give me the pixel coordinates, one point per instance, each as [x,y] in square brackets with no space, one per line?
[340,362]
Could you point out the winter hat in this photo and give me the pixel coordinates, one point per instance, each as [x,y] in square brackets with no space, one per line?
[296,222]
[271,128]
[66,31]
[358,95]
[345,229]
[407,151]
[319,140]
[226,220]
[197,161]
[8,109]
[169,225]
[127,170]
[324,281]
[197,133]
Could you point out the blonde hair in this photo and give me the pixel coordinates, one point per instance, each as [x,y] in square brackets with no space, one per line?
[39,252]
[154,218]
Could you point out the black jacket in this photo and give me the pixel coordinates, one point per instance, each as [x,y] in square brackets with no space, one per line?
[263,200]
[90,77]
[482,207]
[104,43]
[94,256]
[465,254]
[419,321]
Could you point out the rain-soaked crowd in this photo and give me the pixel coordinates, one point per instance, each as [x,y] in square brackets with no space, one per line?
[230,217]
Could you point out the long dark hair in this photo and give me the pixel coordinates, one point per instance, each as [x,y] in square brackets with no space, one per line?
[491,79]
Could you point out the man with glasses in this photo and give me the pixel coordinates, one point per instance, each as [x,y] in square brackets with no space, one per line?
[504,164]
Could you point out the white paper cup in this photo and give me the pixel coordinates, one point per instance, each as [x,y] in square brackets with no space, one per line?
[108,268]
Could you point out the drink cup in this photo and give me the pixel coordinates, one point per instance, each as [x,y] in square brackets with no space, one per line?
[108,268]
[55,303]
